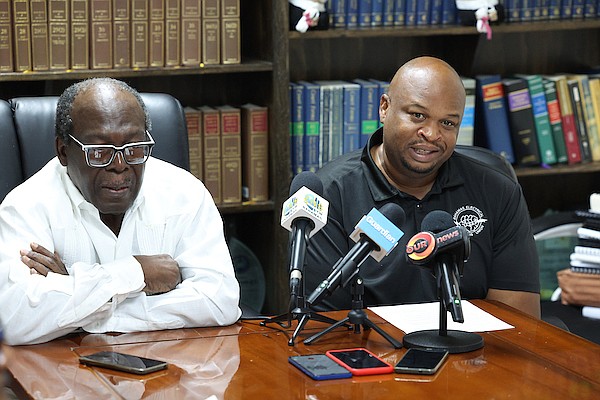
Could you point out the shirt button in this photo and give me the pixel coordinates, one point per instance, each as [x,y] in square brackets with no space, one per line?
[419,205]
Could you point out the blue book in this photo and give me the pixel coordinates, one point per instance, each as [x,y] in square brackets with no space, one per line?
[435,12]
[388,12]
[577,12]
[566,9]
[536,10]
[553,9]
[423,13]
[351,14]
[590,9]
[512,10]
[337,14]
[369,109]
[364,13]
[410,12]
[297,127]
[527,10]
[377,13]
[449,12]
[491,117]
[312,119]
[399,12]
[544,6]
[351,116]
[382,87]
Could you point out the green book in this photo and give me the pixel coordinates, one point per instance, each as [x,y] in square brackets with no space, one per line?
[541,119]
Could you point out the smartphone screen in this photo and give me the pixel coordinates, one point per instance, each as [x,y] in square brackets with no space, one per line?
[360,361]
[319,367]
[123,362]
[421,361]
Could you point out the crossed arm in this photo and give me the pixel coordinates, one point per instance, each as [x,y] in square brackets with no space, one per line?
[161,272]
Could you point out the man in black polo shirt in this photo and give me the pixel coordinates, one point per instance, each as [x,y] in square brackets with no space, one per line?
[410,161]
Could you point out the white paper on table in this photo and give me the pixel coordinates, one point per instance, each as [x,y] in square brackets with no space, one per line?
[424,316]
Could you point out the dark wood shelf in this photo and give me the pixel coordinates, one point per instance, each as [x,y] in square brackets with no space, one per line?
[247,66]
[246,207]
[445,30]
[558,169]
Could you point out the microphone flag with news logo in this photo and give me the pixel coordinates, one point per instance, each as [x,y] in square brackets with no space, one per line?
[439,233]
[303,214]
[376,235]
[305,202]
[380,229]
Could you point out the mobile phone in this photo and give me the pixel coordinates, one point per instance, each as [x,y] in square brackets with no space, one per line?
[319,367]
[421,361]
[360,361]
[123,362]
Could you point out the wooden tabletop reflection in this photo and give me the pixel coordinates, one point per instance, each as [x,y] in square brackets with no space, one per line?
[247,361]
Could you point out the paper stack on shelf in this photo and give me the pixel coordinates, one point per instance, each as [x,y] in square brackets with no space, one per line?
[586,254]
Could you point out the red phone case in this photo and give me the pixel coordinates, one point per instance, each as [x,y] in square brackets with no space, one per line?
[349,358]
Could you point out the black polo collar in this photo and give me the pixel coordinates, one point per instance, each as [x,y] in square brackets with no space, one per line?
[381,190]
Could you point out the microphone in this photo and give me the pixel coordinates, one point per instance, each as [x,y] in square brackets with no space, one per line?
[303,214]
[376,234]
[447,245]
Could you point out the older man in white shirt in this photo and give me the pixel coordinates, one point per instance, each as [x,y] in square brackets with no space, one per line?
[107,238]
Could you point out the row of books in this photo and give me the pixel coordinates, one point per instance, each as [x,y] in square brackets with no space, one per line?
[543,10]
[535,119]
[330,118]
[62,35]
[529,119]
[361,14]
[229,151]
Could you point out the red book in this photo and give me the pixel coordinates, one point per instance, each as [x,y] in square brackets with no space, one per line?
[568,119]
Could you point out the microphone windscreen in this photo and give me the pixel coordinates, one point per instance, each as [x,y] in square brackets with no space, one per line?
[308,179]
[394,213]
[437,221]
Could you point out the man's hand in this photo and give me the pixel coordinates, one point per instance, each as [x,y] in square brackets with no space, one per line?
[580,289]
[161,273]
[41,260]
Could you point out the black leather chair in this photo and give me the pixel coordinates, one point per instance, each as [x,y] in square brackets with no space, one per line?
[10,158]
[34,124]
[488,157]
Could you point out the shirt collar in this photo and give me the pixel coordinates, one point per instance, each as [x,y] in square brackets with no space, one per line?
[382,190]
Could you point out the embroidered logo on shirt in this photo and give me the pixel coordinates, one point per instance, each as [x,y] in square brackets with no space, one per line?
[471,218]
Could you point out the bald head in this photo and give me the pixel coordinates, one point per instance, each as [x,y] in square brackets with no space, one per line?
[426,73]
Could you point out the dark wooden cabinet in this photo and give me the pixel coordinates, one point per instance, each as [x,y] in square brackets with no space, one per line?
[540,48]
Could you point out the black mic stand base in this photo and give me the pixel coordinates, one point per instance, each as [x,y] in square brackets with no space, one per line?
[454,341]
[357,318]
[303,315]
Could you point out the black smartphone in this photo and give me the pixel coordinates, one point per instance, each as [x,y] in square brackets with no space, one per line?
[123,362]
[319,367]
[360,361]
[421,361]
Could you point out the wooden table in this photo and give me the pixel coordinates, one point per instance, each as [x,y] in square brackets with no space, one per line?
[534,360]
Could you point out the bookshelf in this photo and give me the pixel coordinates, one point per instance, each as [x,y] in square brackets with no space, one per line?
[260,78]
[534,47]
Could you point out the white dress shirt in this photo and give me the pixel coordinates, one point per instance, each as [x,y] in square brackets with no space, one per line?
[173,214]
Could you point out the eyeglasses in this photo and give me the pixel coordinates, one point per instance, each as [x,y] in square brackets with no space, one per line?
[101,155]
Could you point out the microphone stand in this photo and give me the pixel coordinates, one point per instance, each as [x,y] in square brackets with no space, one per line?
[357,317]
[300,312]
[443,339]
